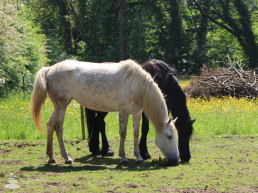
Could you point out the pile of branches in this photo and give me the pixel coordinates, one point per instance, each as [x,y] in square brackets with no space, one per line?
[224,82]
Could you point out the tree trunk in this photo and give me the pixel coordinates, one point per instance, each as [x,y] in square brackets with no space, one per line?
[122,31]
[66,26]
[200,52]
[176,28]
[176,34]
[239,25]
[251,49]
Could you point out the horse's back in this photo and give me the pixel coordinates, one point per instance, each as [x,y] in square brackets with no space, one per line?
[97,86]
[76,72]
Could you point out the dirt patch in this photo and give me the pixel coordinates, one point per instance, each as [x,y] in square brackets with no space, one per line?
[188,190]
[10,162]
[131,186]
[3,150]
[22,144]
[56,185]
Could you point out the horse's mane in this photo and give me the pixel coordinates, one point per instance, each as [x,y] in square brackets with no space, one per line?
[148,93]
[177,105]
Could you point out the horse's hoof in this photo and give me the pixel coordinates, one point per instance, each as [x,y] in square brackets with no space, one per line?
[140,162]
[109,152]
[69,162]
[146,156]
[52,161]
[185,158]
[124,162]
[95,153]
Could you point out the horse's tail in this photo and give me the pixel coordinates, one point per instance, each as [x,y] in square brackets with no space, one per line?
[38,97]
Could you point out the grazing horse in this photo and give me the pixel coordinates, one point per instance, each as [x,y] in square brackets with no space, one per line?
[124,87]
[176,103]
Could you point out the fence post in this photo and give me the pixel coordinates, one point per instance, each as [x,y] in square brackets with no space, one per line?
[23,84]
[6,88]
[82,123]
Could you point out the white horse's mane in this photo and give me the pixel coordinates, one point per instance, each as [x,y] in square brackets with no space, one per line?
[149,94]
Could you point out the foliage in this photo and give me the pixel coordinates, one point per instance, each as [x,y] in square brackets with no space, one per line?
[235,17]
[184,33]
[22,48]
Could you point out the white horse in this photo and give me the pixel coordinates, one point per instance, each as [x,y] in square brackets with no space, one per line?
[124,87]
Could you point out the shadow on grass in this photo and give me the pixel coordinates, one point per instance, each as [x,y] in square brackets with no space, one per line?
[93,163]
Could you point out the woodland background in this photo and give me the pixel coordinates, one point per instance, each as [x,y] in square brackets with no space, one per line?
[186,34]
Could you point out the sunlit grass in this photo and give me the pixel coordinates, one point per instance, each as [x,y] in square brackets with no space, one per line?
[226,116]
[185,82]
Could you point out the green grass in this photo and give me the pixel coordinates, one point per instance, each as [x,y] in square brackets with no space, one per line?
[218,164]
[225,117]
[216,117]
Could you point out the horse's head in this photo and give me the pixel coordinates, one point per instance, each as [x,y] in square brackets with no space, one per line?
[167,141]
[185,130]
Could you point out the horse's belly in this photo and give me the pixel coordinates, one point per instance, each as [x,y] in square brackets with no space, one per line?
[98,102]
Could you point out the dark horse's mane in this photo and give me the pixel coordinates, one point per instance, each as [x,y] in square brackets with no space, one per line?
[177,104]
[175,98]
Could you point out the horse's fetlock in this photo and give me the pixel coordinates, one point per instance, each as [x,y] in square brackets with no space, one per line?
[121,154]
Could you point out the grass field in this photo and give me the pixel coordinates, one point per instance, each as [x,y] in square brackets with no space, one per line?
[218,164]
[215,117]
[223,148]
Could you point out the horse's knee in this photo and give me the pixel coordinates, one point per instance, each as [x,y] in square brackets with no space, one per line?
[122,134]
[49,126]
[136,134]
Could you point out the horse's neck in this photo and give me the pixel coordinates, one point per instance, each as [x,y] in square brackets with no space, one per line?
[176,103]
[178,111]
[154,106]
[175,98]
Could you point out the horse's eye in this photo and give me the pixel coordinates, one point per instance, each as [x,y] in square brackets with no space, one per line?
[169,137]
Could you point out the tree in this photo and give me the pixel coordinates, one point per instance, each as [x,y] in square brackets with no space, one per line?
[122,31]
[67,36]
[176,32]
[22,48]
[234,17]
[185,35]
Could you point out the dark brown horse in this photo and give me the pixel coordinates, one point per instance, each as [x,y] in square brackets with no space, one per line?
[175,98]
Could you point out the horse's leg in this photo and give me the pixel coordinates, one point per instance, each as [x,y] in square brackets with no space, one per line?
[143,142]
[93,131]
[50,131]
[136,124]
[59,133]
[123,119]
[106,149]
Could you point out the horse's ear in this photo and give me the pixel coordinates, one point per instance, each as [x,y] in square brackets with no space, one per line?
[174,121]
[192,121]
[169,121]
